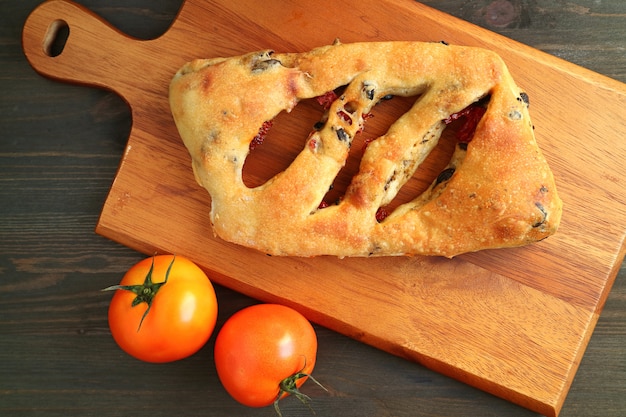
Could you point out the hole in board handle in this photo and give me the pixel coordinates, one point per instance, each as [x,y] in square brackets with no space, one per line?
[56,38]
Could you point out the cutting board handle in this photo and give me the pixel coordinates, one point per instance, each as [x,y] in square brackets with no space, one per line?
[67,42]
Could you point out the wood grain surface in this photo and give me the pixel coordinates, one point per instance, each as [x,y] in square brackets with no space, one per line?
[75,265]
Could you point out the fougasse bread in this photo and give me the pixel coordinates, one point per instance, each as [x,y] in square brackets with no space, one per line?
[496,192]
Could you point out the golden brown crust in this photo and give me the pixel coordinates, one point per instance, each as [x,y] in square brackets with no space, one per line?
[500,191]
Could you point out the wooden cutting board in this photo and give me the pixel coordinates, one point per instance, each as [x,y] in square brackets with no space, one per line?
[512,322]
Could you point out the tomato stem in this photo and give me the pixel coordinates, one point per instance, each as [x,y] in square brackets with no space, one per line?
[288,386]
[146,291]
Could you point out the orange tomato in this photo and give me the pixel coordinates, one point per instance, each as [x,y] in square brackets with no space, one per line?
[164,309]
[265,352]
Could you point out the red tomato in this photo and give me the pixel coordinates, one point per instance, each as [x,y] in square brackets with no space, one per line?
[164,309]
[265,352]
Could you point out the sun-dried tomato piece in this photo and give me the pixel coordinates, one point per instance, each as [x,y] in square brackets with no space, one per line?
[260,137]
[381,214]
[323,204]
[344,116]
[472,115]
[466,132]
[326,99]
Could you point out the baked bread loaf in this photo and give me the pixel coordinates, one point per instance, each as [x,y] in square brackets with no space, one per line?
[496,192]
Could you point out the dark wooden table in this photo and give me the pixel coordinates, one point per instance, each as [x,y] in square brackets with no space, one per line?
[59,150]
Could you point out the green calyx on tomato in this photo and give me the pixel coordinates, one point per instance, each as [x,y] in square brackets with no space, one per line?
[146,291]
[289,386]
